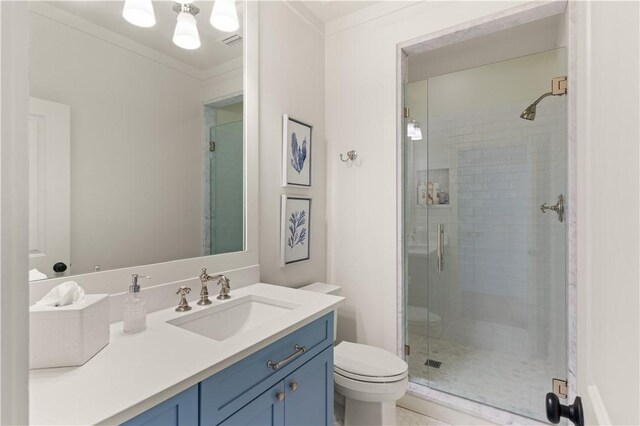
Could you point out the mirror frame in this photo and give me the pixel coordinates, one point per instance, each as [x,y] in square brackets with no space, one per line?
[117,280]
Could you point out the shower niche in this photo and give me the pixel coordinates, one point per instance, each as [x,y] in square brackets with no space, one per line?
[484,269]
[432,188]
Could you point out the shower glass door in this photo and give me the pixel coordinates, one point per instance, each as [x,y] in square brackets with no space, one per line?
[226,193]
[485,266]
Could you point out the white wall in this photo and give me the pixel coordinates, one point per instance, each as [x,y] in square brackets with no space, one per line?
[609,275]
[291,82]
[14,187]
[361,114]
[136,158]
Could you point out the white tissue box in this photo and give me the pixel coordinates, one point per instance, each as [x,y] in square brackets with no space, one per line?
[67,336]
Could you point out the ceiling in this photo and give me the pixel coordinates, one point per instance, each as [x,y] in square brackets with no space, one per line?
[108,14]
[328,10]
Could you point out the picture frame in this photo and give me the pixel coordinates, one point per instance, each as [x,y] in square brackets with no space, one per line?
[297,152]
[295,229]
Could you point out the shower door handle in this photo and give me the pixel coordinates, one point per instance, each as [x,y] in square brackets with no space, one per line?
[440,244]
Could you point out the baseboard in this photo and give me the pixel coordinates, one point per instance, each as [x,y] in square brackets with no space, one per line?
[597,406]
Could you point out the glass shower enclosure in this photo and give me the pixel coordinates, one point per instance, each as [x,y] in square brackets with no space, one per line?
[225,195]
[484,262]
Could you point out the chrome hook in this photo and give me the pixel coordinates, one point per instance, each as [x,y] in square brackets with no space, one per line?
[351,156]
[558,208]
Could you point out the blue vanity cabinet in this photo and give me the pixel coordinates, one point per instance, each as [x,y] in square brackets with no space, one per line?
[289,382]
[309,392]
[232,389]
[265,410]
[304,397]
[181,410]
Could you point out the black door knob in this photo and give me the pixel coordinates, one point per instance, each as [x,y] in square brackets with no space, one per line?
[59,267]
[555,410]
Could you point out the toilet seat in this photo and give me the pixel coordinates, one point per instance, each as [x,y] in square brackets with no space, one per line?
[369,364]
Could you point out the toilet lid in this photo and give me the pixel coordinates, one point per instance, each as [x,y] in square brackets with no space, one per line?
[368,363]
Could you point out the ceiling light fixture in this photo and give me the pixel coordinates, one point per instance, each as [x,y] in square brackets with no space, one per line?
[186,33]
[224,16]
[139,13]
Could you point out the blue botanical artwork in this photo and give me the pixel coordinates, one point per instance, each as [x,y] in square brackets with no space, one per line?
[298,153]
[297,148]
[297,228]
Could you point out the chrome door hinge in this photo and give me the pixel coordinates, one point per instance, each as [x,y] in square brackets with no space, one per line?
[407,350]
[559,387]
[212,146]
[406,112]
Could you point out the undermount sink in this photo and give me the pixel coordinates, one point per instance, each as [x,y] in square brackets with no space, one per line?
[233,317]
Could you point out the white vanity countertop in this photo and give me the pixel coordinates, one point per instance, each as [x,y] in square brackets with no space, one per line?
[135,372]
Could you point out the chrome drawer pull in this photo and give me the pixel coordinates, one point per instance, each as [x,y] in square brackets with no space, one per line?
[298,350]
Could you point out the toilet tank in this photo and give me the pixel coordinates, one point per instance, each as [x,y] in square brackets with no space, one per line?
[319,287]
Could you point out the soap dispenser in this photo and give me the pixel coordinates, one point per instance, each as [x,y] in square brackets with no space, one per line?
[134,314]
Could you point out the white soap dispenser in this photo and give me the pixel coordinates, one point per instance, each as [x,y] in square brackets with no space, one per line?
[134,313]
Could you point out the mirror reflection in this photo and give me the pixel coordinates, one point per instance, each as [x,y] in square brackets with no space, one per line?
[135,136]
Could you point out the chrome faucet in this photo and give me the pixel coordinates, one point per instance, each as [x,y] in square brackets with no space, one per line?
[223,281]
[204,291]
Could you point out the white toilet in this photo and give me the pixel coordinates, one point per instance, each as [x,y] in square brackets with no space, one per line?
[370,379]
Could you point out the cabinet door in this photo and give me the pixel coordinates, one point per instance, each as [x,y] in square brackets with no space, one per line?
[266,410]
[309,392]
[181,410]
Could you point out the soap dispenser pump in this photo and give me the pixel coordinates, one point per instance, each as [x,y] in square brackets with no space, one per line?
[134,314]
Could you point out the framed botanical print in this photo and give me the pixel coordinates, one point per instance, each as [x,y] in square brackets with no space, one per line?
[296,151]
[295,229]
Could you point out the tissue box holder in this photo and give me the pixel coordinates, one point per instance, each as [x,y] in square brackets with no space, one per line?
[69,335]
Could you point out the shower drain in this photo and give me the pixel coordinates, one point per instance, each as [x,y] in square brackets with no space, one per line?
[433,363]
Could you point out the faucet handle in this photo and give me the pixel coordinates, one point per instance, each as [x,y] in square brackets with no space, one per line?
[183,305]
[225,287]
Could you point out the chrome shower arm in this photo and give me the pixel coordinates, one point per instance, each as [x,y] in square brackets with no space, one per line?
[537,101]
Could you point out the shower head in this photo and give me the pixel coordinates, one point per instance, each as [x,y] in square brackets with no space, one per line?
[529,113]
[558,88]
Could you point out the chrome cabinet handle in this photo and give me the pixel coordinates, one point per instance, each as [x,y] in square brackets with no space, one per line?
[280,396]
[293,386]
[440,236]
[297,351]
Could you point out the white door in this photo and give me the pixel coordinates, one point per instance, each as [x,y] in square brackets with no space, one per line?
[608,228]
[49,187]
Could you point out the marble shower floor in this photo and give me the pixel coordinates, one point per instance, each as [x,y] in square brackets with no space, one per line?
[505,381]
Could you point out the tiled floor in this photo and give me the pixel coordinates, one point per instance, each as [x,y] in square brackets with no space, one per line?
[403,418]
[504,381]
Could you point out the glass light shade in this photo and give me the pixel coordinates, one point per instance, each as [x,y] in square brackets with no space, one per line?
[224,16]
[411,129]
[139,13]
[417,134]
[186,33]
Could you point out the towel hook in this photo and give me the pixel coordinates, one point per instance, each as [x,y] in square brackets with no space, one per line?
[351,156]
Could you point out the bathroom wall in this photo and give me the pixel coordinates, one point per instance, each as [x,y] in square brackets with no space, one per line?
[158,115]
[609,239]
[291,82]
[361,114]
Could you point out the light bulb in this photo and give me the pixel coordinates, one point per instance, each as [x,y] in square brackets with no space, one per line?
[186,32]
[139,13]
[224,16]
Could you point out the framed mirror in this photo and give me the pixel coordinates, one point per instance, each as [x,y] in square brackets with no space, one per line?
[141,146]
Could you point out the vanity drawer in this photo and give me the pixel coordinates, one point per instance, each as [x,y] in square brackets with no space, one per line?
[229,390]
